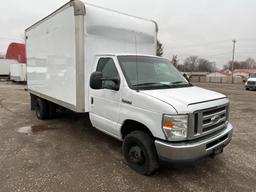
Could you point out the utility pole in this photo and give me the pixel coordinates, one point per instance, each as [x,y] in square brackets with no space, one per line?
[215,69]
[233,59]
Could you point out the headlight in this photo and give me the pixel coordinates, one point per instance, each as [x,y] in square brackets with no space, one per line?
[175,127]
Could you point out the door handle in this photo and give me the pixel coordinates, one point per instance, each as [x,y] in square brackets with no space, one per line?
[126,102]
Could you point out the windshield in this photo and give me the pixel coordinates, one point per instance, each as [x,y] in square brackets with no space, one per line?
[253,75]
[144,72]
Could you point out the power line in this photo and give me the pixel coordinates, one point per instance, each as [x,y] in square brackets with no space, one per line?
[247,39]
[187,46]
[216,55]
[201,55]
[201,44]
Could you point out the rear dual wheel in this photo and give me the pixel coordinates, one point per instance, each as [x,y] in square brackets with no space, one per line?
[44,109]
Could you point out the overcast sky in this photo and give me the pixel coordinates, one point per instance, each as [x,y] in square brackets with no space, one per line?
[187,27]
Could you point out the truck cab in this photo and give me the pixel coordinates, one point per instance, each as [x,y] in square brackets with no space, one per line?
[145,102]
[251,82]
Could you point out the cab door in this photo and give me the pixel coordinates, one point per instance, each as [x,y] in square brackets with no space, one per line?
[105,102]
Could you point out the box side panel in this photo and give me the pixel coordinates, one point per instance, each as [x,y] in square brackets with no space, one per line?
[112,32]
[51,58]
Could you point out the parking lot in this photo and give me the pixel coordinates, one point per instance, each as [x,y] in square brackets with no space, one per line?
[67,154]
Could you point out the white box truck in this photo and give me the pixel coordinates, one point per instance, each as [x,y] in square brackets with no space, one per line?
[5,67]
[102,62]
[18,72]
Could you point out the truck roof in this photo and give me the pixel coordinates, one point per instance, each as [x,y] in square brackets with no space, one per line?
[126,54]
[122,13]
[80,9]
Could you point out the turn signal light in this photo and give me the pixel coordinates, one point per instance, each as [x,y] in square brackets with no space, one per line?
[168,125]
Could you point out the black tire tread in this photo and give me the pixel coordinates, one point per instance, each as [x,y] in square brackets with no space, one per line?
[147,142]
[42,108]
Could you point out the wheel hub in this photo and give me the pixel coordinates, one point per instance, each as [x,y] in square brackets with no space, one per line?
[136,154]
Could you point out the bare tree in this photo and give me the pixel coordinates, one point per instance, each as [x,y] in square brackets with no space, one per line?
[191,63]
[196,64]
[229,65]
[205,66]
[247,64]
[250,62]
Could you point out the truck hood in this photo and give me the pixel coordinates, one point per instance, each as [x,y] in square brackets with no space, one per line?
[252,79]
[180,98]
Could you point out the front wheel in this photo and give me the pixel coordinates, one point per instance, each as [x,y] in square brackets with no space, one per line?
[140,153]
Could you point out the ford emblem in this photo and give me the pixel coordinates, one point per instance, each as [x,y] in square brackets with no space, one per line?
[216,119]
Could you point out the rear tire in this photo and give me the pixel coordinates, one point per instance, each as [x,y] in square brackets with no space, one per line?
[140,153]
[52,110]
[42,109]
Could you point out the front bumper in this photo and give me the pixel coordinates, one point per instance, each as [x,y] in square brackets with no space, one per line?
[250,86]
[193,150]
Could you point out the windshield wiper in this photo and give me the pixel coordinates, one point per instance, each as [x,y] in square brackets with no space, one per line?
[153,84]
[178,82]
[181,83]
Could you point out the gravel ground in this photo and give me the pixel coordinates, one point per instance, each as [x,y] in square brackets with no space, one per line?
[68,154]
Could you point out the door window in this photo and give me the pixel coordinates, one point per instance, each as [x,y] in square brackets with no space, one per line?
[109,71]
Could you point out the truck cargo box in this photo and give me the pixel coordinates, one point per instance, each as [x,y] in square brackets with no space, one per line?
[18,72]
[62,47]
[5,67]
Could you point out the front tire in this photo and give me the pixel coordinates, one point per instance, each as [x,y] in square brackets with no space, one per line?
[140,153]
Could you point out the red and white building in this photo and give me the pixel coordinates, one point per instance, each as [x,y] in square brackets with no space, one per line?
[244,73]
[16,57]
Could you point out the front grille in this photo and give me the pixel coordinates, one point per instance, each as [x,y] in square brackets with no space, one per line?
[251,83]
[210,120]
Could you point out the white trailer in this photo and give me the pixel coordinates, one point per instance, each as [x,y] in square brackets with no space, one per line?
[90,59]
[5,66]
[18,72]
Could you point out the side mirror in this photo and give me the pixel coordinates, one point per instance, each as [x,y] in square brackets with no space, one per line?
[111,83]
[96,80]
